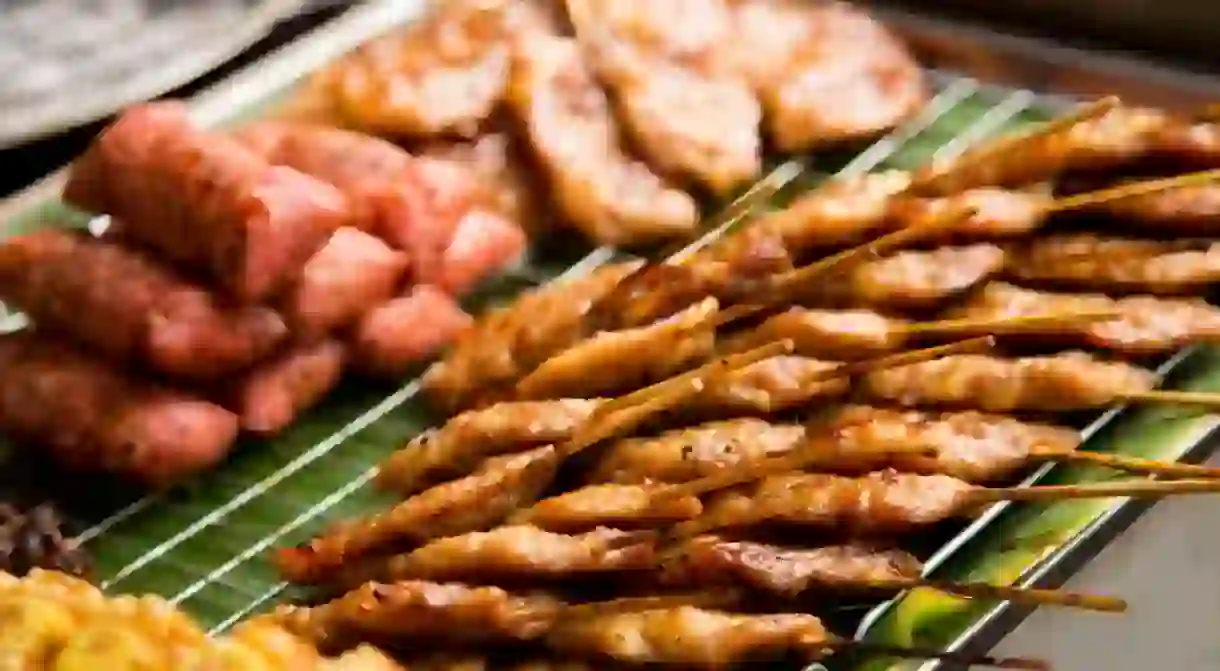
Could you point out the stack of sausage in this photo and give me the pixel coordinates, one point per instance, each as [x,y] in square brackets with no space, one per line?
[239,277]
[486,519]
[624,108]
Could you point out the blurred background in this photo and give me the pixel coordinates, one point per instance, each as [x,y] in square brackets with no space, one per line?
[68,64]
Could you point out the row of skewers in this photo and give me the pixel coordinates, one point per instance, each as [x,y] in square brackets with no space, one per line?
[643,430]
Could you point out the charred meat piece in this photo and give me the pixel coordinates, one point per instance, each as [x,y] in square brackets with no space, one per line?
[690,118]
[474,503]
[611,505]
[604,192]
[912,280]
[787,572]
[687,454]
[626,360]
[1145,325]
[973,446]
[36,538]
[508,342]
[442,75]
[690,637]
[1092,262]
[125,305]
[769,386]
[826,73]
[1058,383]
[516,554]
[457,447]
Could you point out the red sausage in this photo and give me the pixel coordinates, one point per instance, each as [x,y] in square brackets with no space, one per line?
[93,417]
[393,338]
[130,308]
[273,395]
[483,244]
[413,204]
[350,275]
[204,201]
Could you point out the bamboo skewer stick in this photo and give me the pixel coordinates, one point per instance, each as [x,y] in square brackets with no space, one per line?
[1086,112]
[1002,325]
[961,659]
[1021,595]
[1202,399]
[1131,190]
[1134,488]
[1165,469]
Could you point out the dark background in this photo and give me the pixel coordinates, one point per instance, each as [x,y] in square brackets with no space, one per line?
[1179,31]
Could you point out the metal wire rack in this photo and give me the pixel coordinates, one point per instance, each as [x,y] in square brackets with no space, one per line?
[204,548]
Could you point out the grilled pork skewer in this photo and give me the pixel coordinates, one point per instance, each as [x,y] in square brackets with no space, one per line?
[1185,211]
[888,502]
[1144,325]
[421,611]
[626,359]
[1092,262]
[911,279]
[508,342]
[517,554]
[792,572]
[706,639]
[1062,382]
[498,488]
[601,190]
[854,334]
[689,117]
[458,447]
[624,506]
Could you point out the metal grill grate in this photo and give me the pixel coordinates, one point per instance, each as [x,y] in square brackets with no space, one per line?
[204,547]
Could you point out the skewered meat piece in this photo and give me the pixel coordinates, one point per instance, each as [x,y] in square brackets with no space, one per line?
[611,505]
[457,448]
[972,446]
[626,360]
[998,213]
[600,189]
[846,335]
[204,201]
[508,342]
[786,572]
[482,245]
[1120,137]
[442,75]
[689,117]
[851,81]
[769,386]
[350,275]
[1086,261]
[273,395]
[505,185]
[837,213]
[688,454]
[733,271]
[93,417]
[881,503]
[473,503]
[1146,324]
[1190,210]
[689,636]
[912,279]
[517,554]
[397,335]
[424,612]
[128,307]
[1058,383]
